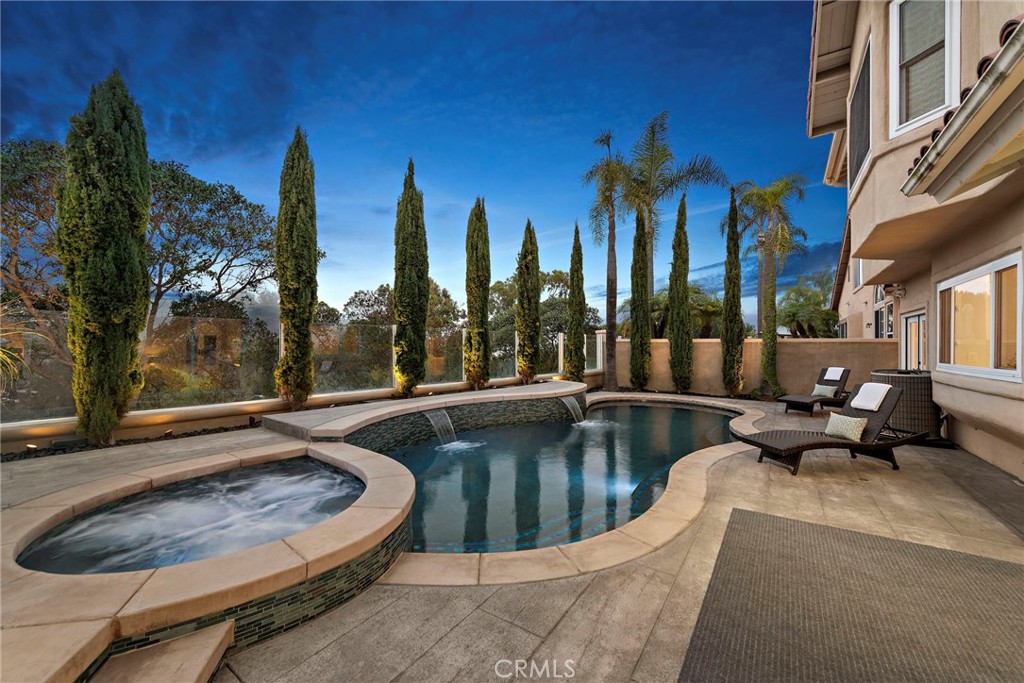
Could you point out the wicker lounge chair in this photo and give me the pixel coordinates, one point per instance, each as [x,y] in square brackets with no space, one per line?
[787,446]
[806,402]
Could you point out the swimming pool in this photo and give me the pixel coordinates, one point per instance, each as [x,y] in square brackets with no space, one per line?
[538,485]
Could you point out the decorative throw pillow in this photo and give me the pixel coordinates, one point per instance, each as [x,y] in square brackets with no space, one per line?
[845,427]
[823,390]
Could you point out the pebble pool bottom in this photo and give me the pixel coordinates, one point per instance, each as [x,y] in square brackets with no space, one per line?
[539,485]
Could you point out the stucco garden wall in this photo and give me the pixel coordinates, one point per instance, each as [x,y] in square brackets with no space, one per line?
[799,361]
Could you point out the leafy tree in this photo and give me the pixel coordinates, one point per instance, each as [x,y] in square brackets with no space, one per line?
[201,238]
[654,178]
[732,313]
[477,349]
[370,307]
[443,312]
[32,277]
[804,308]
[705,313]
[766,213]
[412,288]
[102,213]
[554,318]
[575,358]
[296,259]
[258,359]
[325,314]
[376,307]
[609,175]
[639,310]
[528,306]
[204,237]
[680,327]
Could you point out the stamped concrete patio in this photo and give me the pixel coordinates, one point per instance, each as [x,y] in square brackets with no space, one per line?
[632,622]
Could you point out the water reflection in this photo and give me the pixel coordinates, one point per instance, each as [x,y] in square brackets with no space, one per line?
[540,485]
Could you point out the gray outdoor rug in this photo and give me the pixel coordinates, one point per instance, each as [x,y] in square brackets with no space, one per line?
[792,601]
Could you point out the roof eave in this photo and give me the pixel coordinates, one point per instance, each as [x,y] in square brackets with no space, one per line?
[950,165]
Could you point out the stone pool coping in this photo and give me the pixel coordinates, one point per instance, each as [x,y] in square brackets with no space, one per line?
[670,515]
[55,625]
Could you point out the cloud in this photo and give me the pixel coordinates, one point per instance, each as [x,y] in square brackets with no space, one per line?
[818,257]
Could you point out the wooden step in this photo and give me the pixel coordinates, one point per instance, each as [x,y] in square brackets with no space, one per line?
[187,659]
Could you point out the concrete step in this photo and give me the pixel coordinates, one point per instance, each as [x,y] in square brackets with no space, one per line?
[186,659]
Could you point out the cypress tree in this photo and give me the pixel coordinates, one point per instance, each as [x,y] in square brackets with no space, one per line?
[528,306]
[680,327]
[103,210]
[575,357]
[732,313]
[412,288]
[296,259]
[639,312]
[476,353]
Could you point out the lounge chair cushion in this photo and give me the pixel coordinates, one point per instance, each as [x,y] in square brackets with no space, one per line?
[833,374]
[845,427]
[870,396]
[823,390]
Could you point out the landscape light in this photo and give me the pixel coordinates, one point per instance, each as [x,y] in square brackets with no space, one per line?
[31,447]
[169,433]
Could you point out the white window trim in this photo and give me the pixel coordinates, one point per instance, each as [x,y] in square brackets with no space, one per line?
[952,51]
[858,274]
[987,269]
[903,339]
[883,305]
[854,183]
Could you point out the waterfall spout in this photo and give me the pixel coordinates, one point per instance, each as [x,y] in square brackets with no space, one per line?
[442,425]
[574,408]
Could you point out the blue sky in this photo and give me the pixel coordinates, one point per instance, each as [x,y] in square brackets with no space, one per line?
[499,100]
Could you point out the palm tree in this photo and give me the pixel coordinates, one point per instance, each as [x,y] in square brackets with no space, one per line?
[654,178]
[609,175]
[765,216]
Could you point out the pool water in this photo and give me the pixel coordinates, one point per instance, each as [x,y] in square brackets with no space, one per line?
[196,519]
[532,486]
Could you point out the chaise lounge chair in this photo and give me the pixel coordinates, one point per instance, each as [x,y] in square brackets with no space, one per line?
[878,440]
[806,402]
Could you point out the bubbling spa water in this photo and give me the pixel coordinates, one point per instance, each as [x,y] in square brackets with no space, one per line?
[197,519]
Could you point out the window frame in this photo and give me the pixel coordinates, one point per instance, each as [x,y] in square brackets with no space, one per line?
[858,274]
[989,269]
[887,309]
[854,181]
[952,69]
[842,330]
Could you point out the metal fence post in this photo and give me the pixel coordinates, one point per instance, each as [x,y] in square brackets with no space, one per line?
[561,352]
[394,357]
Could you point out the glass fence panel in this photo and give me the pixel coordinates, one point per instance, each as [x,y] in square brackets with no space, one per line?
[547,358]
[444,355]
[190,361]
[41,386]
[349,357]
[592,360]
[503,364]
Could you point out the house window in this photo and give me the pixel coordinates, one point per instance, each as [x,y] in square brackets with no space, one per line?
[843,332]
[923,56]
[884,321]
[860,118]
[858,273]
[979,321]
